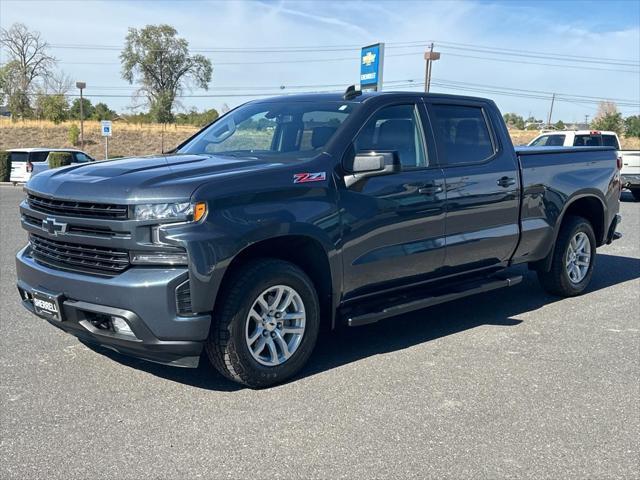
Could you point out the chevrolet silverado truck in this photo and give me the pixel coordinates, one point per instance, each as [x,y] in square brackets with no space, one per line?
[296,214]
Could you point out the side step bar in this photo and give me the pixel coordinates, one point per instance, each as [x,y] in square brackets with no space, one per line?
[446,296]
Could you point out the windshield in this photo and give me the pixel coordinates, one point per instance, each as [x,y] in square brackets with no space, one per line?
[272,129]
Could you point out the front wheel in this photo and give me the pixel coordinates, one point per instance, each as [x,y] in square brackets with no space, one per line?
[266,324]
[573,259]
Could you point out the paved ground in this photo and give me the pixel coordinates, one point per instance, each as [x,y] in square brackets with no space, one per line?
[510,384]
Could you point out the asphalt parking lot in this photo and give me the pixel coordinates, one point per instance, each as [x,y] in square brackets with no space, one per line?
[514,383]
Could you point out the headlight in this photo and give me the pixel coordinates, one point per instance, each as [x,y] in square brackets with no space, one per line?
[164,211]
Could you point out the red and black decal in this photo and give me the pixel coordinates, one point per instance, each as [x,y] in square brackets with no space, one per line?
[309,177]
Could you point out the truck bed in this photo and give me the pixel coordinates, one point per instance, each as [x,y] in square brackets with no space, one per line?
[550,178]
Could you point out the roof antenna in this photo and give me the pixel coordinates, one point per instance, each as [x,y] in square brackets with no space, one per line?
[352,92]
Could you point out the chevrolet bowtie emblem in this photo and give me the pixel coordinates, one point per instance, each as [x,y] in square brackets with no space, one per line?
[51,226]
[368,59]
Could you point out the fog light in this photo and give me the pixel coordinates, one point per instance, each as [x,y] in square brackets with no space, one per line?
[121,326]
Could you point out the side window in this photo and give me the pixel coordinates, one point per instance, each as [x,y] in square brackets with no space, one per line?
[395,128]
[38,156]
[587,141]
[82,158]
[463,133]
[610,141]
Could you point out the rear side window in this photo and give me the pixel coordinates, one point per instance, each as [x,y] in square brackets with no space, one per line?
[38,156]
[610,141]
[463,133]
[549,141]
[588,141]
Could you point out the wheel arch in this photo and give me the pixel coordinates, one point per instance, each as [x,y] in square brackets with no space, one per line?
[587,205]
[306,252]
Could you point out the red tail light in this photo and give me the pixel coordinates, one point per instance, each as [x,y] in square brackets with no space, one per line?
[619,163]
[29,167]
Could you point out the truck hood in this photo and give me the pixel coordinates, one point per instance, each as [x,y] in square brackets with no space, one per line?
[161,178]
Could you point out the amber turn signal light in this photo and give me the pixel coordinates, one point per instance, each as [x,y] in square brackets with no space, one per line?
[199,211]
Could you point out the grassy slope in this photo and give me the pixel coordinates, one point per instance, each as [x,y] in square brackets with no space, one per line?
[133,140]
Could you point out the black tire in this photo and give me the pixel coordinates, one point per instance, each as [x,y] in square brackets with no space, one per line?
[636,194]
[226,346]
[556,281]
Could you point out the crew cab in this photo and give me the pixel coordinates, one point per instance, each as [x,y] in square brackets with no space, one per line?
[26,162]
[297,213]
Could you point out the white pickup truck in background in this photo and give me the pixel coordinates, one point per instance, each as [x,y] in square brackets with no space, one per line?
[630,171]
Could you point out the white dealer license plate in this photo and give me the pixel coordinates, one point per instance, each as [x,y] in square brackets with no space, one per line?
[46,306]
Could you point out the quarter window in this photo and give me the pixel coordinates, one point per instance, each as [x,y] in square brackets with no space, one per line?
[395,128]
[463,133]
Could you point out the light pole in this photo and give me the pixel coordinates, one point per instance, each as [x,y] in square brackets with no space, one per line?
[81,86]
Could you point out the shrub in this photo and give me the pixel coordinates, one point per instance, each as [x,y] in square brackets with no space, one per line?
[5,166]
[73,134]
[59,159]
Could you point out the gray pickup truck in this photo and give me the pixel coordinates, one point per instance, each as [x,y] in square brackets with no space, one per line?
[294,214]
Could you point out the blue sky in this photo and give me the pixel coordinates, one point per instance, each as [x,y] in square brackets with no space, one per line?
[606,30]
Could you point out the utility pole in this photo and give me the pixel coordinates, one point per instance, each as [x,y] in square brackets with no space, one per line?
[553,99]
[429,57]
[81,86]
[586,121]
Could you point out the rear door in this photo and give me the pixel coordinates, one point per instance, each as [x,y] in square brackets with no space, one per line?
[393,224]
[482,184]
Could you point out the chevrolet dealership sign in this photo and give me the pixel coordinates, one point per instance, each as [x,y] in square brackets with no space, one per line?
[371,62]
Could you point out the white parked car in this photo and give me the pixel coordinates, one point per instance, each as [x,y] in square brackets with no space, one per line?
[26,162]
[630,171]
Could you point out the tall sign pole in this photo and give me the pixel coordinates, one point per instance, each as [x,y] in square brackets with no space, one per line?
[81,86]
[371,67]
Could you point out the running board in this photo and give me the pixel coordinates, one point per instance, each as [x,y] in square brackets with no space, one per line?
[446,296]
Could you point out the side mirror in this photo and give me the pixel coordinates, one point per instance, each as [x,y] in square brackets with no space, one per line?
[370,164]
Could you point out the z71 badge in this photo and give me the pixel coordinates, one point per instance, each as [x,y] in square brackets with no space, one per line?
[309,177]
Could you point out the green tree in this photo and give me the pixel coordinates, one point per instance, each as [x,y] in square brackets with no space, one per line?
[560,125]
[87,109]
[159,60]
[28,63]
[514,120]
[632,126]
[610,121]
[54,108]
[102,112]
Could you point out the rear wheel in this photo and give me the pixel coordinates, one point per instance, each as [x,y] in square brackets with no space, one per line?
[573,259]
[266,324]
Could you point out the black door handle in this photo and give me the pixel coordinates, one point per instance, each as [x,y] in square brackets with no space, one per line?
[506,182]
[430,189]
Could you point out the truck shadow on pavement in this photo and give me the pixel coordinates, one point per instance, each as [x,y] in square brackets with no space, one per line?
[347,345]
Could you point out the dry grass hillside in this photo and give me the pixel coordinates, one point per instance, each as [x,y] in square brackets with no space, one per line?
[127,140]
[145,139]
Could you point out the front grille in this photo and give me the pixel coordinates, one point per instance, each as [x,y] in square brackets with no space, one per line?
[183,299]
[77,209]
[77,230]
[72,256]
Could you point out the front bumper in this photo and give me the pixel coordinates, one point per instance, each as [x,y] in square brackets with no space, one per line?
[143,297]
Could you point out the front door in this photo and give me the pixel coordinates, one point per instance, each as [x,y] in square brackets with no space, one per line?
[393,224]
